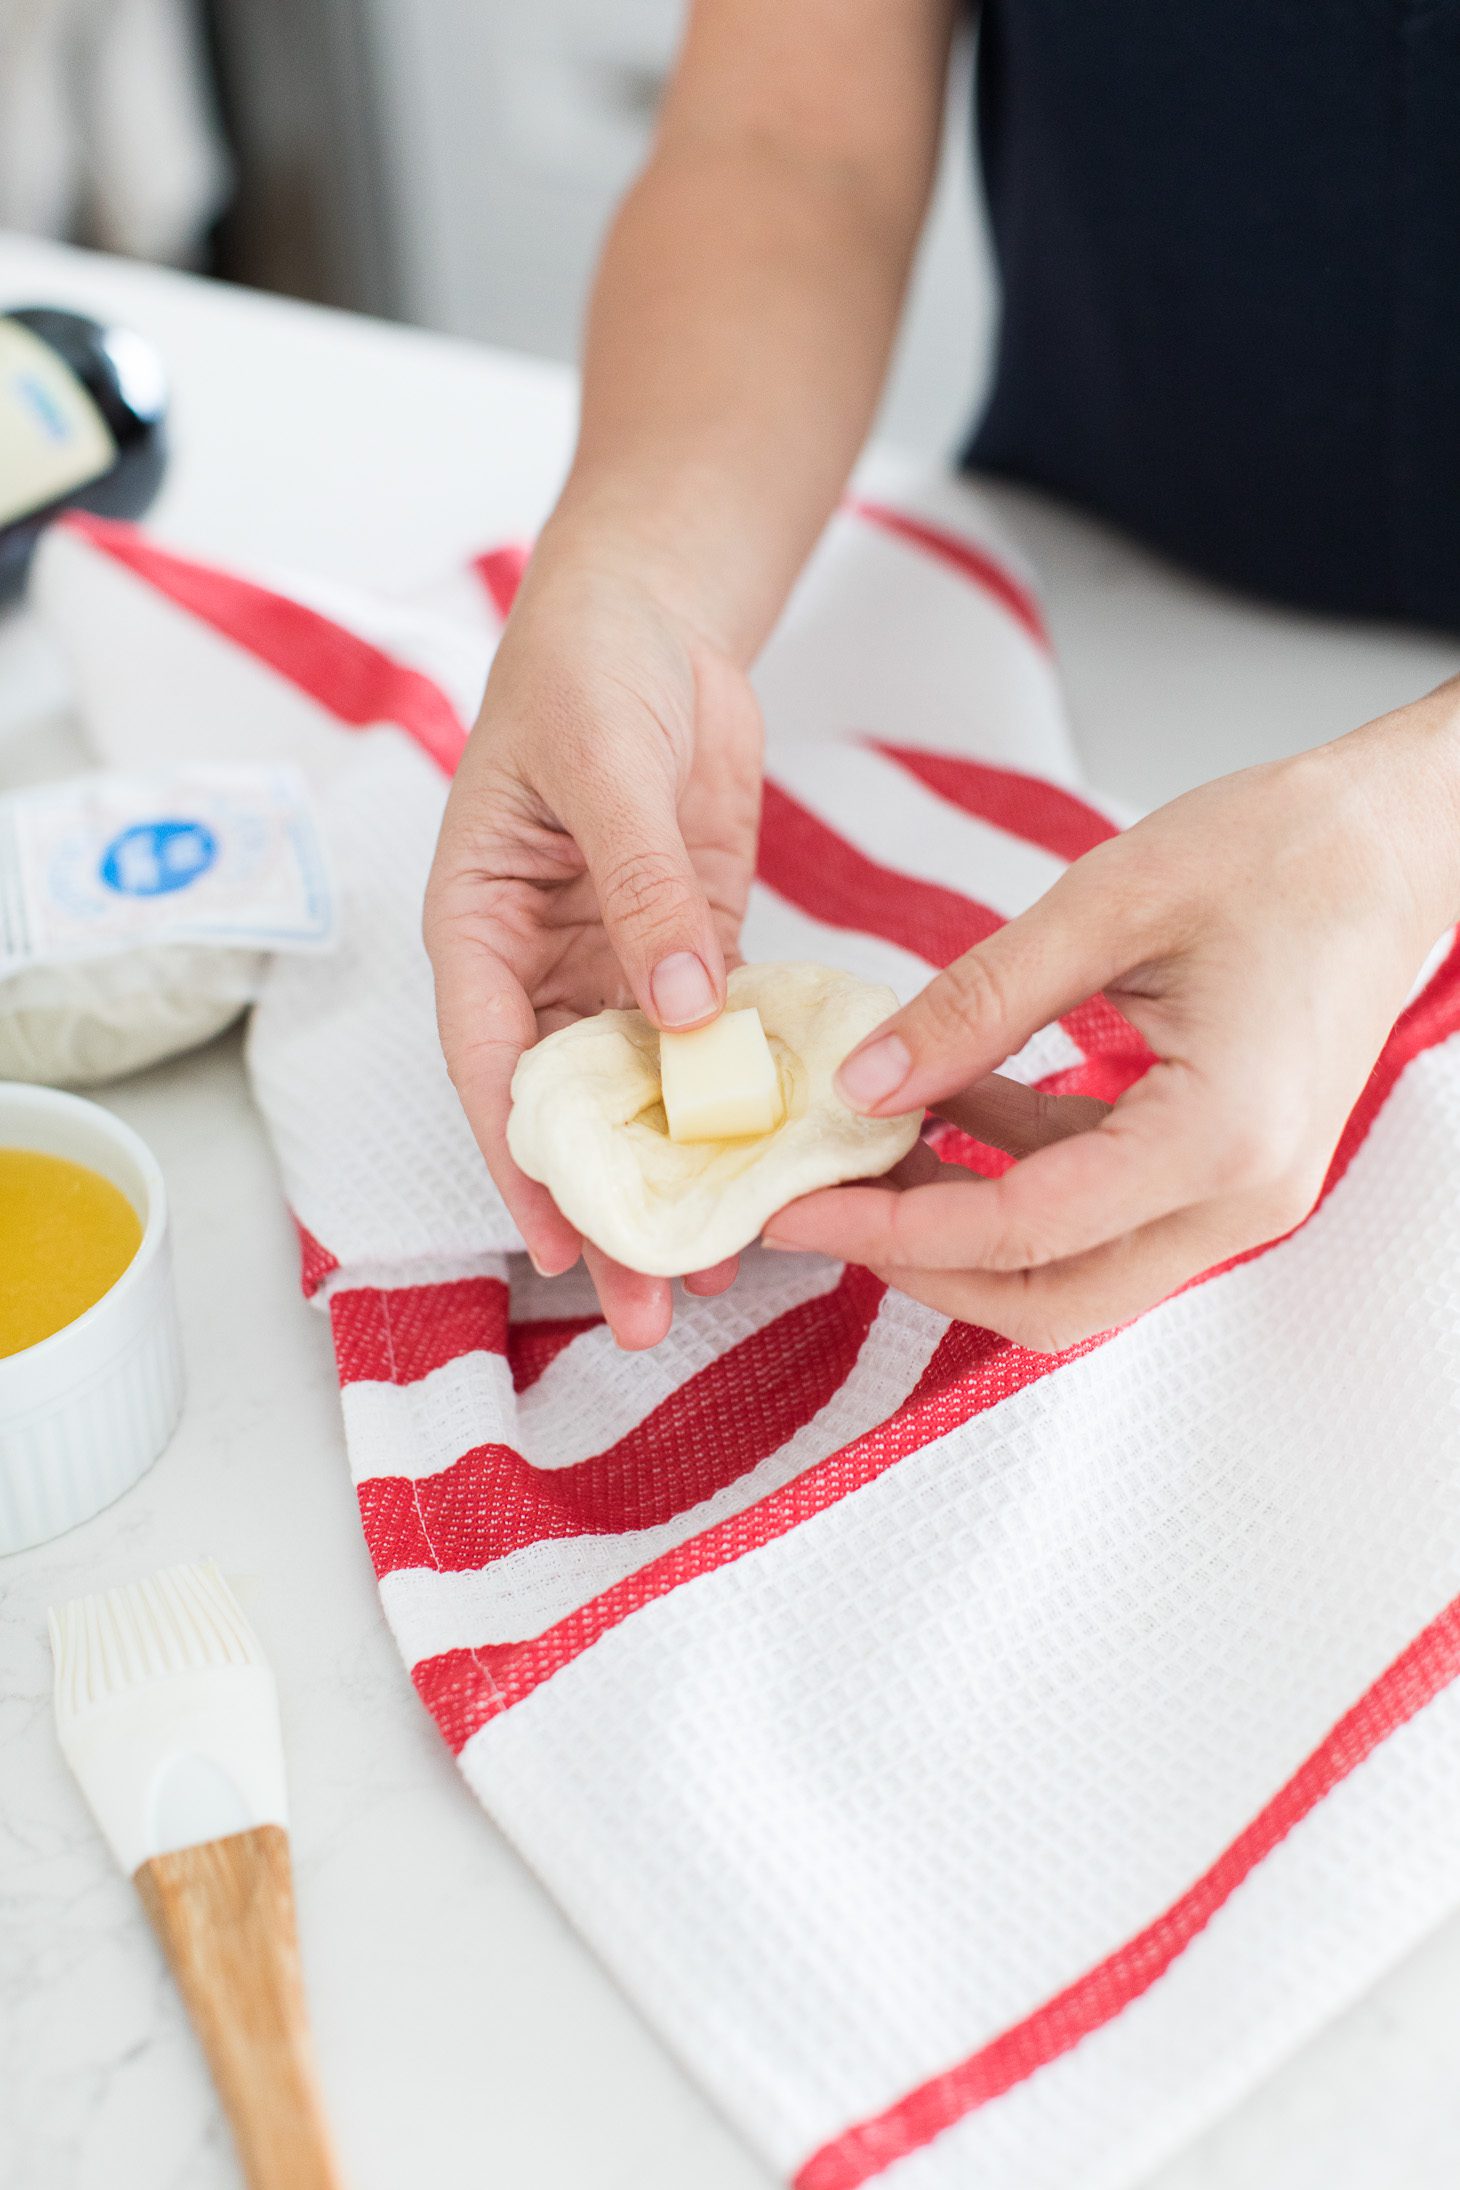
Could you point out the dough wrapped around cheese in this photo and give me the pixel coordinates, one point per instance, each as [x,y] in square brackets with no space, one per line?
[587,1121]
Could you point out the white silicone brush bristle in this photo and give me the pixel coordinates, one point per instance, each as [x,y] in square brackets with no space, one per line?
[167,1713]
[173,1622]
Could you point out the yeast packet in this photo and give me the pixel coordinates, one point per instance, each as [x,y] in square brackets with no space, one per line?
[137,913]
[220,855]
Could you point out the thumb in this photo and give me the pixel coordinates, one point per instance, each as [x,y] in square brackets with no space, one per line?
[988,1003]
[651,901]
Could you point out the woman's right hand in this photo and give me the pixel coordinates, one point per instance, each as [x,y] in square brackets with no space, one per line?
[597,850]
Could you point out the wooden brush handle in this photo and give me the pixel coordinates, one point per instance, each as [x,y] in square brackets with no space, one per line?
[224,1912]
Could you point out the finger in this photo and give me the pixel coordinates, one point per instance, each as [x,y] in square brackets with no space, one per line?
[637,1309]
[919,1168]
[705,1284]
[1066,1304]
[987,1004]
[1000,1124]
[486,1021]
[651,901]
[1169,1144]
[881,1225]
[1004,1113]
[1177,1140]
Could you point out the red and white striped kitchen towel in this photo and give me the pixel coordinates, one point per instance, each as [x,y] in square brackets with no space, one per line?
[982,1767]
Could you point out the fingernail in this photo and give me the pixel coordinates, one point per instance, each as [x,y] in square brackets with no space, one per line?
[780,1246]
[682,990]
[552,1270]
[870,1075]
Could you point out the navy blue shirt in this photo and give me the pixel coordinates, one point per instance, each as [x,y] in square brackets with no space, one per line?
[1229,240]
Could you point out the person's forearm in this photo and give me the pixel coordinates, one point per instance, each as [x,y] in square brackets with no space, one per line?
[738,338]
[737,343]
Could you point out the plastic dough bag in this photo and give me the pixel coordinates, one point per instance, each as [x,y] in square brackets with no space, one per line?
[137,913]
[588,1123]
[74,1025]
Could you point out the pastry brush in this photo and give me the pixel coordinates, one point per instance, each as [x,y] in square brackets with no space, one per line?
[168,1716]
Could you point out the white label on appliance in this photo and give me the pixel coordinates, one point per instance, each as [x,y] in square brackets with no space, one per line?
[215,855]
[52,436]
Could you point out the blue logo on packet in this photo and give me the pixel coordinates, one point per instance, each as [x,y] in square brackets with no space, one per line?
[153,857]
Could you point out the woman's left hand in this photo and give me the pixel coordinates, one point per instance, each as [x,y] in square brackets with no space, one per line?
[1262,933]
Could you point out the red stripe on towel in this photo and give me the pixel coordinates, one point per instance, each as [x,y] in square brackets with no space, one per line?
[1429,1664]
[805,861]
[466,1688]
[397,1335]
[1024,806]
[356,682]
[950,1144]
[1055,819]
[971,1371]
[500,570]
[977,564]
[533,1347]
[316,1263]
[715,1428]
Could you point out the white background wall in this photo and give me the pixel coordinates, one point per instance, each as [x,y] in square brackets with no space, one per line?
[506,131]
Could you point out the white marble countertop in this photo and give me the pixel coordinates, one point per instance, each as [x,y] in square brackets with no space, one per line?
[465,2034]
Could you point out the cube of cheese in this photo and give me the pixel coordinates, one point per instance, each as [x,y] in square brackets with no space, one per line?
[719,1083]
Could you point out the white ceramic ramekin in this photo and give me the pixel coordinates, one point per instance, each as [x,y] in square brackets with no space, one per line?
[86,1411]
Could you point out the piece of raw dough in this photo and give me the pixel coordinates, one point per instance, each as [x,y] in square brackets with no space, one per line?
[588,1122]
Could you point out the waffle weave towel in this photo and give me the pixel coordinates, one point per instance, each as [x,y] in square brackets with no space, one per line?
[981,1766]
